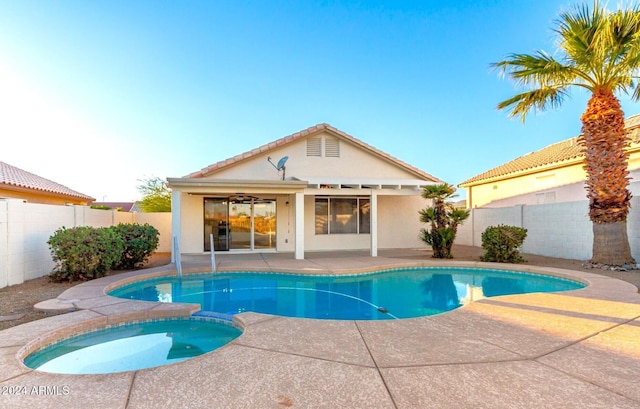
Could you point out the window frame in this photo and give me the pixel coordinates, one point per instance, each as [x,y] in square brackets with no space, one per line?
[362,222]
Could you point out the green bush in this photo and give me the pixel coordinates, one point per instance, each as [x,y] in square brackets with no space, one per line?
[84,253]
[100,207]
[502,243]
[139,242]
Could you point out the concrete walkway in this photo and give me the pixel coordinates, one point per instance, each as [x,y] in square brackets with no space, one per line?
[578,349]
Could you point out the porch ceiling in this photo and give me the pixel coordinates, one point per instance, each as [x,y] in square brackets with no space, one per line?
[293,185]
[205,186]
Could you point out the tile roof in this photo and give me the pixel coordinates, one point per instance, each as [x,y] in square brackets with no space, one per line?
[301,135]
[10,175]
[564,152]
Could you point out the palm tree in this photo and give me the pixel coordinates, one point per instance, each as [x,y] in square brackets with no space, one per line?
[599,52]
[443,219]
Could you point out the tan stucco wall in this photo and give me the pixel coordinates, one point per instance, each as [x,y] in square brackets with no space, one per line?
[353,162]
[398,225]
[192,220]
[567,183]
[42,198]
[399,222]
[481,195]
[285,223]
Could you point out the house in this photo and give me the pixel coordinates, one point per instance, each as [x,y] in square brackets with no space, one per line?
[317,189]
[553,174]
[16,183]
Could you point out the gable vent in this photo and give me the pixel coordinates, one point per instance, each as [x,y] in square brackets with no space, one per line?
[332,148]
[314,146]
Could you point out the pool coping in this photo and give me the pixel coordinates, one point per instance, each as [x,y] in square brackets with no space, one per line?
[529,340]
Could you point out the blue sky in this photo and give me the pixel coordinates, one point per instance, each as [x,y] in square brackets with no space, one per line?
[97,95]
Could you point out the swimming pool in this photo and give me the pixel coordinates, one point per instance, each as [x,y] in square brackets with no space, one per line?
[389,294]
[132,346]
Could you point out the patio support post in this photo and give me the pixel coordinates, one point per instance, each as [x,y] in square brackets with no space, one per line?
[175,219]
[373,215]
[299,226]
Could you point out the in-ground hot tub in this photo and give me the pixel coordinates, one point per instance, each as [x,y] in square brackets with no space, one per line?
[132,346]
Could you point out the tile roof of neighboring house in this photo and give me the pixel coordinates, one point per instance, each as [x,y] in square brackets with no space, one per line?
[125,206]
[566,151]
[10,175]
[300,135]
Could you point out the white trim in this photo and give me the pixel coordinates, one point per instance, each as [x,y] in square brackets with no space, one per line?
[373,222]
[299,226]
[176,220]
[360,183]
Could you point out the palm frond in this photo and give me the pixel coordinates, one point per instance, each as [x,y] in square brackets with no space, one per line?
[599,50]
[578,31]
[538,99]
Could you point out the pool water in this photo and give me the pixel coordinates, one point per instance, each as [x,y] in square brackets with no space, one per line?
[132,346]
[390,294]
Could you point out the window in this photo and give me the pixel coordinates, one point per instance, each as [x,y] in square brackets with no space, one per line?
[343,215]
[547,197]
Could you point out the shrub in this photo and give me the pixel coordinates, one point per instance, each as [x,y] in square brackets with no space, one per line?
[139,242]
[83,253]
[502,243]
[100,207]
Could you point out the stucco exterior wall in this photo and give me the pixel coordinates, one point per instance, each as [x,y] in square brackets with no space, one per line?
[484,194]
[192,229]
[353,163]
[37,197]
[285,223]
[567,184]
[399,222]
[567,193]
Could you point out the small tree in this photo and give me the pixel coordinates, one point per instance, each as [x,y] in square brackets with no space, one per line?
[156,195]
[140,241]
[443,219]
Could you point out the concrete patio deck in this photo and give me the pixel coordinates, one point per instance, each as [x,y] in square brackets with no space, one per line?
[577,349]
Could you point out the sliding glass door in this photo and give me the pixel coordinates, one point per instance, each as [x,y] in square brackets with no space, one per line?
[239,223]
[264,231]
[216,222]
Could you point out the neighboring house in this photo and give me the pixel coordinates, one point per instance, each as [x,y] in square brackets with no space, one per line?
[120,206]
[16,183]
[318,189]
[553,174]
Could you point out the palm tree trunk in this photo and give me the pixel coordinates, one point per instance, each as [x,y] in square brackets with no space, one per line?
[604,143]
[611,244]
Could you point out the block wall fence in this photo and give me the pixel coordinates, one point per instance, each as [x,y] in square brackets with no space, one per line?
[26,227]
[554,230]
